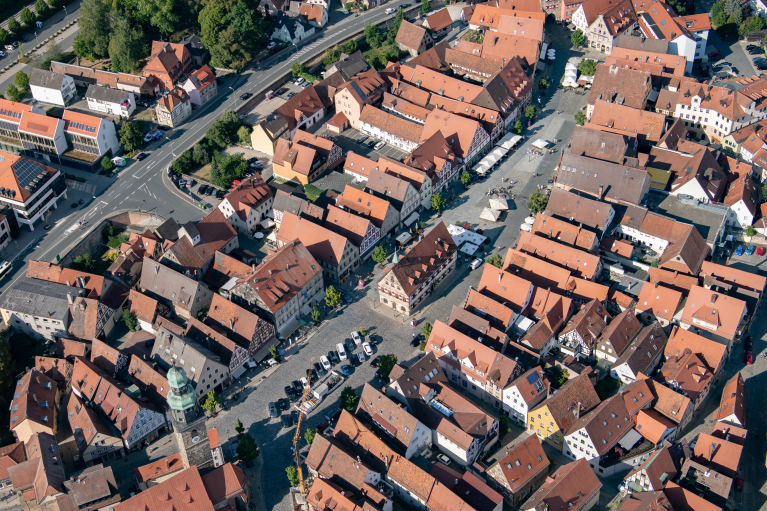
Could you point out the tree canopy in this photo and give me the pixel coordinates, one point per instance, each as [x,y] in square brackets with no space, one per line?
[127,45]
[588,67]
[231,31]
[211,402]
[94,27]
[247,450]
[349,399]
[577,38]
[130,320]
[537,202]
[386,364]
[131,135]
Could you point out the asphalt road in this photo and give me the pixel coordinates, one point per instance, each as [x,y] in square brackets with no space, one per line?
[50,26]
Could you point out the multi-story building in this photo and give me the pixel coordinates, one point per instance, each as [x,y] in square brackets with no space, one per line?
[293,161]
[168,63]
[51,87]
[282,289]
[96,441]
[602,22]
[579,337]
[185,296]
[34,408]
[360,231]
[715,313]
[471,365]
[653,474]
[248,204]
[29,188]
[174,108]
[241,326]
[522,471]
[642,356]
[111,101]
[414,276]
[379,211]
[617,336]
[89,136]
[465,136]
[392,129]
[572,483]
[524,393]
[364,89]
[413,39]
[552,419]
[305,109]
[201,86]
[397,190]
[336,254]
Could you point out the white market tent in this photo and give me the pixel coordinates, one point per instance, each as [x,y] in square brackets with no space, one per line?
[491,215]
[530,220]
[569,82]
[469,248]
[509,141]
[499,152]
[461,235]
[490,159]
[541,143]
[526,228]
[499,204]
[481,168]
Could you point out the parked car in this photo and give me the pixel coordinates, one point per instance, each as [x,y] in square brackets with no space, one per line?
[380,145]
[760,251]
[2,54]
[360,140]
[750,250]
[738,484]
[346,297]
[748,358]
[294,416]
[219,194]
[245,96]
[714,53]
[739,250]
[333,356]
[318,369]
[756,51]
[346,370]
[311,374]
[297,386]
[321,427]
[286,422]
[375,340]
[444,459]
[140,156]
[344,11]
[271,45]
[415,342]
[332,415]
[341,351]
[201,190]
[281,91]
[325,362]
[273,411]
[749,343]
[476,263]
[361,357]
[372,143]
[357,338]
[283,403]
[390,10]
[350,346]
[299,80]
[367,348]
[374,362]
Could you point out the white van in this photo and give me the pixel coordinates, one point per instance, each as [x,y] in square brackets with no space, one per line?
[390,10]
[341,351]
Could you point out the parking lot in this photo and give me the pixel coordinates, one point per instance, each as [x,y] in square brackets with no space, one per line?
[348,141]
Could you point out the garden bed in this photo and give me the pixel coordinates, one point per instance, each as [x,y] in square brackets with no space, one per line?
[81,155]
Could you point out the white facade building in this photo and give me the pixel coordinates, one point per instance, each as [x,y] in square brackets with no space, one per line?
[50,87]
[111,101]
[524,394]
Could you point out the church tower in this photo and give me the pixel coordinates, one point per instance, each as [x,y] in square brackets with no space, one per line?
[188,421]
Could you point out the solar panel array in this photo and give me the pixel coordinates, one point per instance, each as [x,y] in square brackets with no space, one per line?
[10,113]
[532,378]
[81,126]
[26,171]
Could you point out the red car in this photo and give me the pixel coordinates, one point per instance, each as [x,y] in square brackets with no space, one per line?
[321,427]
[738,484]
[760,251]
[748,358]
[714,53]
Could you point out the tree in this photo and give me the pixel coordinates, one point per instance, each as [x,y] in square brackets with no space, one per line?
[27,17]
[530,112]
[22,81]
[4,36]
[164,15]
[386,364]
[309,435]
[53,53]
[292,475]
[231,31]
[238,427]
[465,178]
[577,38]
[131,135]
[107,164]
[247,450]
[94,29]
[215,170]
[202,314]
[14,27]
[580,118]
[42,9]
[83,262]
[275,353]
[297,68]
[750,24]
[399,17]
[350,46]
[200,153]
[556,376]
[243,134]
[14,94]
[518,127]
[211,402]
[426,330]
[363,331]
[750,231]
[315,314]
[543,83]
[588,67]
[496,260]
[379,254]
[424,6]
[718,15]
[127,45]
[218,135]
[503,426]
[349,399]
[438,201]
[373,36]
[332,296]
[537,202]
[734,10]
[130,320]
[6,362]
[331,56]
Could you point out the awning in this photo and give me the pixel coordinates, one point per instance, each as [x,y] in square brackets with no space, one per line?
[541,143]
[307,309]
[500,152]
[412,218]
[469,248]
[499,204]
[630,439]
[526,228]
[264,352]
[510,142]
[267,223]
[272,237]
[653,95]
[491,215]
[404,237]
[288,328]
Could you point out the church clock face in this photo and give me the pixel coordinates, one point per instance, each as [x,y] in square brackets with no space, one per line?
[195,439]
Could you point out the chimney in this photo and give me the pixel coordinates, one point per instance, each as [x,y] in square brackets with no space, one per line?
[601,191]
[69,298]
[82,282]
[499,277]
[231,323]
[68,284]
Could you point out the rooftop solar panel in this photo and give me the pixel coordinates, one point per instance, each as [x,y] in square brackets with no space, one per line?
[532,378]
[26,171]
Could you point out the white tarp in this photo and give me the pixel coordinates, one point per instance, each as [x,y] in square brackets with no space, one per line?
[267,223]
[490,159]
[569,82]
[544,47]
[570,65]
[461,235]
[272,237]
[571,73]
[481,169]
[491,215]
[499,152]
[541,143]
[469,248]
[499,204]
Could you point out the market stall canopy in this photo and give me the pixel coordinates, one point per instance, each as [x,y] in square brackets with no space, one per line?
[404,237]
[530,220]
[499,204]
[412,218]
[469,248]
[509,141]
[526,228]
[541,143]
[491,215]
[461,235]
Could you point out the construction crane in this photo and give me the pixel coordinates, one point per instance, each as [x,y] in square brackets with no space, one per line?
[297,436]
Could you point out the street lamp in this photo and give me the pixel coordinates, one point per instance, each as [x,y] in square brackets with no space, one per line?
[37,40]
[66,13]
[171,145]
[235,98]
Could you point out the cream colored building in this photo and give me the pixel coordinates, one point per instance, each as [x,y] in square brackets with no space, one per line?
[265,134]
[174,108]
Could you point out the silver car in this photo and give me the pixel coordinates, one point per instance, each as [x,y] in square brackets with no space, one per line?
[273,411]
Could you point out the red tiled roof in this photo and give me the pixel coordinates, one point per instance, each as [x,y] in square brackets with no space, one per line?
[184,491]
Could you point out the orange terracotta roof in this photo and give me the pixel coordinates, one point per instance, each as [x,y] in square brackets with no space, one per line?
[715,312]
[159,468]
[81,124]
[628,121]
[40,125]
[660,301]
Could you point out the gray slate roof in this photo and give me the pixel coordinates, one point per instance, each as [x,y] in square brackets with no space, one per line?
[169,284]
[47,79]
[106,94]
[40,298]
[631,42]
[620,183]
[194,354]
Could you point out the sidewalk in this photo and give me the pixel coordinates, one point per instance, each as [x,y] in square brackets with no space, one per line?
[18,66]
